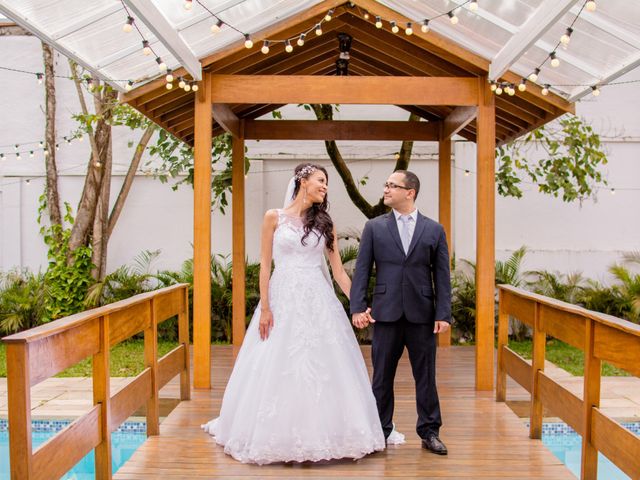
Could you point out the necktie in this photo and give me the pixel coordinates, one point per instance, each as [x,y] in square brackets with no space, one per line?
[405,235]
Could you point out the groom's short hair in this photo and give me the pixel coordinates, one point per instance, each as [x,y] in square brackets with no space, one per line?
[411,180]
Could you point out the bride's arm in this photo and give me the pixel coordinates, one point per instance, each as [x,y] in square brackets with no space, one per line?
[266,248]
[337,269]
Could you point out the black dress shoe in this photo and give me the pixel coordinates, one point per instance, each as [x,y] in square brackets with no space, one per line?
[434,444]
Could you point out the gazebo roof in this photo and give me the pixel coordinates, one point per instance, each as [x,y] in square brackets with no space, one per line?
[503,40]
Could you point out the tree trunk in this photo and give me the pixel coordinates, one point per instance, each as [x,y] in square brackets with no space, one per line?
[13,30]
[53,196]
[99,237]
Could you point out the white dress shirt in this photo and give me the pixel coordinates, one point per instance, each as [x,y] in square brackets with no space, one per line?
[412,224]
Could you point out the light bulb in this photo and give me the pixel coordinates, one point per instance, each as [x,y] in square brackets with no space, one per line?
[328,16]
[512,91]
[591,6]
[466,173]
[195,87]
[247,41]
[394,27]
[409,29]
[169,77]
[181,83]
[216,27]
[378,22]
[265,47]
[41,144]
[16,146]
[80,138]
[31,153]
[127,27]
[161,65]
[187,87]
[555,61]
[595,91]
[499,90]
[425,26]
[129,86]
[493,86]
[300,41]
[473,6]
[366,15]
[188,4]
[318,29]
[27,181]
[613,191]
[169,86]
[545,90]
[39,77]
[46,152]
[146,49]
[18,156]
[533,77]
[523,85]
[97,164]
[287,46]
[566,37]
[452,17]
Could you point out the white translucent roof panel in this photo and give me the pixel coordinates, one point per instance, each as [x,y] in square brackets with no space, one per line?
[605,43]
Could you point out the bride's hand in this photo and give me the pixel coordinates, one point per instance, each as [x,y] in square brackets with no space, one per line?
[266,323]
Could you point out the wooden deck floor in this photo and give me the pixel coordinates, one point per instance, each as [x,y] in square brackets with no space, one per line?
[485,439]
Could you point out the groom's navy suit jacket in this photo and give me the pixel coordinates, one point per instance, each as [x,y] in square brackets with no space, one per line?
[416,285]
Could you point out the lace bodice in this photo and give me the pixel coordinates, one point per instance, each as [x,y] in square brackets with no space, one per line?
[288,250]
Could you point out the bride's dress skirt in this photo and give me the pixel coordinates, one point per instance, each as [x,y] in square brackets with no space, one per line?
[303,394]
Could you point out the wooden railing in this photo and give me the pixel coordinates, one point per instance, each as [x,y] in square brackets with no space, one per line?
[37,354]
[601,338]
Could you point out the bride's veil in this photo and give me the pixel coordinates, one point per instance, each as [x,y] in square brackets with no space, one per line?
[288,200]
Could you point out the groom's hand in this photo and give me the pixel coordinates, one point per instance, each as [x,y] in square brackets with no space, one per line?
[440,326]
[360,320]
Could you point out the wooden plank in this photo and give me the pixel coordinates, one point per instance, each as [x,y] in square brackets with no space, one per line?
[170,365]
[129,398]
[340,130]
[485,235]
[62,350]
[169,304]
[19,406]
[60,453]
[503,341]
[202,237]
[151,362]
[444,205]
[238,250]
[125,323]
[538,340]
[517,368]
[617,443]
[228,120]
[344,90]
[565,326]
[458,119]
[520,308]
[102,396]
[591,400]
[561,402]
[183,338]
[617,347]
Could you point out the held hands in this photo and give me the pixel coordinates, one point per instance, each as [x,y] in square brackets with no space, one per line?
[362,319]
[266,323]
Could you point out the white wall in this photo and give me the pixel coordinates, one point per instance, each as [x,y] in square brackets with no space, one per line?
[560,236]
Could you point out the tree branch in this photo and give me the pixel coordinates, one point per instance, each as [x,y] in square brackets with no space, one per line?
[53,196]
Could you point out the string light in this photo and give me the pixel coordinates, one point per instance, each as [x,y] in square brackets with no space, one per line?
[453,18]
[287,46]
[555,61]
[247,41]
[169,77]
[146,49]
[181,82]
[498,90]
[128,27]
[328,16]
[493,86]
[195,87]
[533,77]
[566,37]
[318,29]
[595,91]
[378,22]
[265,47]
[187,87]
[425,26]
[161,65]
[613,191]
[545,89]
[591,6]
[366,15]
[39,76]
[466,173]
[394,27]
[523,85]
[129,86]
[409,29]
[188,4]
[31,153]
[300,41]
[216,27]
[473,5]
[169,86]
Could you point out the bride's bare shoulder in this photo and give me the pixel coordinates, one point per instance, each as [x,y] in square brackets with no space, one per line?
[271,216]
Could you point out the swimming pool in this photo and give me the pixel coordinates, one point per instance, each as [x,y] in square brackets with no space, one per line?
[124,442]
[566,444]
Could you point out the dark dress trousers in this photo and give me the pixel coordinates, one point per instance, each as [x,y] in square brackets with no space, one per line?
[412,291]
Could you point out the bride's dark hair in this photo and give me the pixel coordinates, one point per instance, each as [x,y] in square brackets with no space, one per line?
[316,217]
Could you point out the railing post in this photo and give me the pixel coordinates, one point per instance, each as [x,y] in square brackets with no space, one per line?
[591,398]
[19,397]
[151,361]
[537,365]
[102,396]
[183,338]
[503,341]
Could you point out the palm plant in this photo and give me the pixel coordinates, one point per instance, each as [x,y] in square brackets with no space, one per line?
[568,288]
[22,300]
[629,290]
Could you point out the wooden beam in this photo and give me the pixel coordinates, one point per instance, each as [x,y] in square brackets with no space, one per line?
[344,90]
[485,236]
[457,120]
[227,119]
[202,237]
[238,249]
[340,130]
[444,207]
[545,17]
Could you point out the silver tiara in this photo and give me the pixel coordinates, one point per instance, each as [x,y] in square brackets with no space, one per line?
[305,172]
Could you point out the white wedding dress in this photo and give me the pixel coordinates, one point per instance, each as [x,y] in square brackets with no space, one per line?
[304,393]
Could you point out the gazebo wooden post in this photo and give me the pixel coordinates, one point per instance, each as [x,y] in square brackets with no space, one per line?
[485,236]
[444,208]
[202,236]
[238,241]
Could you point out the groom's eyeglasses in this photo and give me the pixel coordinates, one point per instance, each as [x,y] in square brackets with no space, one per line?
[393,186]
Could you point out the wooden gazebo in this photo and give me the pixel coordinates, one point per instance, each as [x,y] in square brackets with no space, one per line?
[423,73]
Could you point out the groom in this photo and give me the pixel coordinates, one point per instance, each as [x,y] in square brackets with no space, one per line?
[411,301]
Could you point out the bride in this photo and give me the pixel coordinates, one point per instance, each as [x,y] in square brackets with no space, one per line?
[299,390]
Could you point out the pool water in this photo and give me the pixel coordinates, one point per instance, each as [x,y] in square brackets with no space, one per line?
[124,442]
[567,446]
